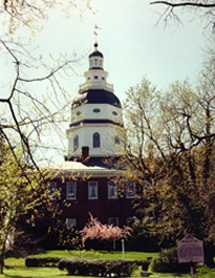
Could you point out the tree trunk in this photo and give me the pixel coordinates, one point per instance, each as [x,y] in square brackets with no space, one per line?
[2,257]
[1,262]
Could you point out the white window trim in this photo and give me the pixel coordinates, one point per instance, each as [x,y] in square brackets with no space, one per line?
[53,194]
[72,225]
[100,140]
[109,190]
[127,195]
[113,217]
[76,143]
[75,194]
[96,188]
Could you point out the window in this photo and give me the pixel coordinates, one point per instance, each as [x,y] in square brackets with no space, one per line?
[95,77]
[130,189]
[52,190]
[112,190]
[76,142]
[70,223]
[71,190]
[117,140]
[113,221]
[96,110]
[92,190]
[96,140]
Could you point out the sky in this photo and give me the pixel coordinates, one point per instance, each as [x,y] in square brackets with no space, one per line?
[133,44]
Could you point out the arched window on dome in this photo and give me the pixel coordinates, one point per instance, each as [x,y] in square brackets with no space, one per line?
[117,140]
[96,140]
[76,143]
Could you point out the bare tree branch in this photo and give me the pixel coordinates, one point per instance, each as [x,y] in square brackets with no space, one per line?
[183,4]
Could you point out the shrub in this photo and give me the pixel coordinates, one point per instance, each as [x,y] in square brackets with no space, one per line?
[42,262]
[167,261]
[92,267]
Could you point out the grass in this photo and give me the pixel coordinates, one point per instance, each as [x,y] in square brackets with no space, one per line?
[17,267]
[97,255]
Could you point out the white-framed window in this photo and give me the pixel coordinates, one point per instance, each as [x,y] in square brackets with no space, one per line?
[52,190]
[112,190]
[70,223]
[71,190]
[93,190]
[76,142]
[117,140]
[113,221]
[96,140]
[130,189]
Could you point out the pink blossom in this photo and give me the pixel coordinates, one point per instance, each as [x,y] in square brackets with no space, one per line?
[96,230]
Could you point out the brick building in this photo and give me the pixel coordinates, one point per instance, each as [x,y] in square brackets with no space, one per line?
[86,182]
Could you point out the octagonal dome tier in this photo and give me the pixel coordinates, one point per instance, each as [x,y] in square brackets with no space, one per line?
[99,96]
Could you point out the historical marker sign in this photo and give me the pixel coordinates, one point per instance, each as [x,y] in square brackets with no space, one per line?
[190,249]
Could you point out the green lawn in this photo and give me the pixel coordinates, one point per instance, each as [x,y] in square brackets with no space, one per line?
[17,267]
[97,255]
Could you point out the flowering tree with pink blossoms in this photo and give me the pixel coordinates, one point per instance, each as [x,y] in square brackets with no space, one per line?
[96,230]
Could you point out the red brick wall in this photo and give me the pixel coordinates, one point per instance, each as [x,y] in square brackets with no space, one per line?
[102,208]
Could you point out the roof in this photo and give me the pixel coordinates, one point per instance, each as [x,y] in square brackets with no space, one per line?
[66,168]
[96,52]
[99,96]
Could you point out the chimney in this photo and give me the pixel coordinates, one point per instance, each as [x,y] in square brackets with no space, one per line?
[85,155]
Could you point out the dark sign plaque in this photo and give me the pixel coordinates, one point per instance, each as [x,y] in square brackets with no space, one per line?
[190,249]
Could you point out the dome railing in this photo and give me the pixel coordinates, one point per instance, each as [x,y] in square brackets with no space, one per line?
[96,85]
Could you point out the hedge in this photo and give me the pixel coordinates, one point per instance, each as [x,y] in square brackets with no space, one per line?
[93,267]
[167,261]
[42,262]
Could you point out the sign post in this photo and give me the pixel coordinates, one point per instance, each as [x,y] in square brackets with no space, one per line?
[190,250]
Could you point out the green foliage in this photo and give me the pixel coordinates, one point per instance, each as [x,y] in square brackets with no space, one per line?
[18,195]
[16,267]
[170,150]
[89,267]
[42,262]
[167,261]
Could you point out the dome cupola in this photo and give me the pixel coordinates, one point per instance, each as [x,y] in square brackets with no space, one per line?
[96,58]
[96,114]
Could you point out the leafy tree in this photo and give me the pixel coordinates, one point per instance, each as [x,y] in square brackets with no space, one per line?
[170,152]
[18,195]
[27,114]
[31,13]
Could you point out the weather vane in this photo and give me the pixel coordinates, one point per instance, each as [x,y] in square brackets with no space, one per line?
[96,31]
